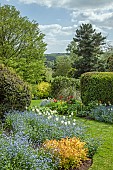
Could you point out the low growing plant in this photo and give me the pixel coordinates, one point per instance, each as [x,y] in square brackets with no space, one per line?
[99,112]
[44,124]
[65,107]
[102,113]
[33,128]
[16,153]
[71,152]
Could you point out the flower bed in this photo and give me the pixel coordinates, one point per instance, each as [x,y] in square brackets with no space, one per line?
[24,133]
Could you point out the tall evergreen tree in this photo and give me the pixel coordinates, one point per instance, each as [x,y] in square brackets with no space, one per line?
[110,63]
[87,49]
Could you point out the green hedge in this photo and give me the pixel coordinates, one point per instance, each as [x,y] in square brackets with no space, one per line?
[97,86]
[14,92]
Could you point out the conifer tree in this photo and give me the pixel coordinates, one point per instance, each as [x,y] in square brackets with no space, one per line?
[87,50]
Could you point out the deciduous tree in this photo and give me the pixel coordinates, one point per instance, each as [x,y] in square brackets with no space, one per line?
[62,66]
[21,44]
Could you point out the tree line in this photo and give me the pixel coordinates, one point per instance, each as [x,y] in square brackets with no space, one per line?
[22,47]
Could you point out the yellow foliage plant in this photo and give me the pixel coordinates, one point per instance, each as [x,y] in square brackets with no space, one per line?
[44,89]
[71,152]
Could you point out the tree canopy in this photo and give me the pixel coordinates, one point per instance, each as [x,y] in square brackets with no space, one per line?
[62,66]
[86,47]
[22,44]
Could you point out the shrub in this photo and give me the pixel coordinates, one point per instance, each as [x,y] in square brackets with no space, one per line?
[64,86]
[15,94]
[70,151]
[43,89]
[97,86]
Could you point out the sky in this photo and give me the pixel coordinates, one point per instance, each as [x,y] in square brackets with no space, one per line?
[59,19]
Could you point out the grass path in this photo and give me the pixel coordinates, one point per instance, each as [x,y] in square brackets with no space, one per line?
[103,159]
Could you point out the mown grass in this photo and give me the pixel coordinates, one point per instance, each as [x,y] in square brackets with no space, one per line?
[35,103]
[103,159]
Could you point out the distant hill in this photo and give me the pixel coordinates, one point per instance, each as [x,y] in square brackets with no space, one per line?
[53,56]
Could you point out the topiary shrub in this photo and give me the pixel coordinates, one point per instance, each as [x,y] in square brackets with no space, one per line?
[64,86]
[14,93]
[97,86]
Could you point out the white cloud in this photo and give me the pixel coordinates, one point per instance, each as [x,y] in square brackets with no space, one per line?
[96,15]
[57,30]
[71,4]
[97,12]
[101,17]
[57,37]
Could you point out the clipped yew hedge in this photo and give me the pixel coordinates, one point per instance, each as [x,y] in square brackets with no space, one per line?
[14,92]
[97,86]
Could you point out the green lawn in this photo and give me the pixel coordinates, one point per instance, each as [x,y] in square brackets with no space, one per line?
[103,159]
[35,103]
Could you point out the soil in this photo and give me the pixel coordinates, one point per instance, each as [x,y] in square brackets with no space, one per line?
[85,165]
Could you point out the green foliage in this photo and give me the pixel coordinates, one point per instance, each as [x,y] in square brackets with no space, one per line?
[62,66]
[48,74]
[34,91]
[14,93]
[97,86]
[22,147]
[110,63]
[69,107]
[86,48]
[21,44]
[64,86]
[96,111]
[42,90]
[16,152]
[60,107]
[69,155]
